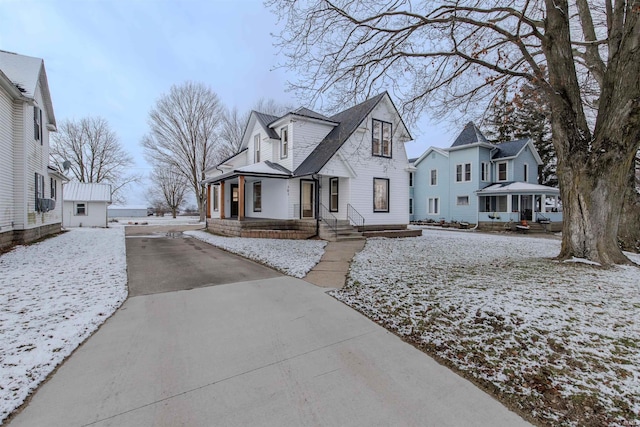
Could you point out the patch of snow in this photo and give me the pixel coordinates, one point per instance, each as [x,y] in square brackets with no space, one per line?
[502,311]
[292,257]
[53,295]
[583,261]
[155,220]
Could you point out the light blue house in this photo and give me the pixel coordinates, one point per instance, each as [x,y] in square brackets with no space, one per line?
[477,182]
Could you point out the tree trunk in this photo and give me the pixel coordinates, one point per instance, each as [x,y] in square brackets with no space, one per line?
[629,228]
[592,198]
[174,212]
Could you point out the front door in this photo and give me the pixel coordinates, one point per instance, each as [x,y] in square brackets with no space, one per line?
[526,211]
[307,199]
[235,198]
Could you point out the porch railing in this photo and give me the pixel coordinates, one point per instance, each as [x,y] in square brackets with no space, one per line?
[328,218]
[354,216]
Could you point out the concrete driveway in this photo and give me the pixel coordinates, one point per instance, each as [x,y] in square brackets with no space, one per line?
[268,352]
[162,259]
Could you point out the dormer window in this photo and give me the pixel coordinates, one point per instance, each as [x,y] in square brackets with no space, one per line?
[256,148]
[284,143]
[381,143]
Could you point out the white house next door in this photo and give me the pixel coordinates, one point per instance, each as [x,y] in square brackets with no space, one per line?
[307,199]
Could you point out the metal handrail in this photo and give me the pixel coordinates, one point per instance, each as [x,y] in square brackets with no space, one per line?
[328,218]
[354,216]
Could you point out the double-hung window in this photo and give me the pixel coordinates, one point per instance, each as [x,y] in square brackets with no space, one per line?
[381,143]
[526,172]
[380,195]
[333,194]
[257,196]
[216,197]
[39,191]
[54,188]
[284,143]
[485,172]
[81,208]
[502,171]
[433,177]
[256,148]
[37,124]
[434,206]
[410,179]
[463,172]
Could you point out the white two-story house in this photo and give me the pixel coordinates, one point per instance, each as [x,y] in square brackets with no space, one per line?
[304,167]
[30,189]
[478,182]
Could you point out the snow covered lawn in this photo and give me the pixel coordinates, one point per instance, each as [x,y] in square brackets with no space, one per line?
[559,342]
[53,295]
[292,257]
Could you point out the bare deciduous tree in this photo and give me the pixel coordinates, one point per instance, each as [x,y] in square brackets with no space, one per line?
[183,135]
[168,188]
[450,56]
[94,154]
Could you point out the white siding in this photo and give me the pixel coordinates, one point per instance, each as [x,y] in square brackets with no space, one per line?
[343,195]
[274,198]
[6,162]
[96,215]
[357,150]
[19,166]
[305,137]
[288,161]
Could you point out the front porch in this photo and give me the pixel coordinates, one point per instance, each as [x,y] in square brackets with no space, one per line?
[298,229]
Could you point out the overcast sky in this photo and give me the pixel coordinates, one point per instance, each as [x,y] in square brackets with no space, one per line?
[115,58]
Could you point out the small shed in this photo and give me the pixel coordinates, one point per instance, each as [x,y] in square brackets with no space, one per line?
[128,211]
[85,204]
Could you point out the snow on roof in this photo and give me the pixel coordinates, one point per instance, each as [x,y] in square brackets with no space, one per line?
[87,192]
[518,187]
[265,167]
[23,71]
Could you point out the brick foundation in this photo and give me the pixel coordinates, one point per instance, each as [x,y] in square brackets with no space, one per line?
[263,229]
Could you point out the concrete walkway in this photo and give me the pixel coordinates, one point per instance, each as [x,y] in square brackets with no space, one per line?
[275,352]
[331,271]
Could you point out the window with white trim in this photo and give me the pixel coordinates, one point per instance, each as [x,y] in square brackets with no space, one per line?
[381,142]
[486,171]
[284,143]
[502,171]
[257,196]
[526,172]
[463,172]
[333,194]
[410,206]
[410,179]
[37,124]
[462,201]
[433,177]
[80,208]
[54,188]
[433,207]
[256,148]
[216,198]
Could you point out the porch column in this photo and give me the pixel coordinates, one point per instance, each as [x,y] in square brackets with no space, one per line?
[221,199]
[208,200]
[240,197]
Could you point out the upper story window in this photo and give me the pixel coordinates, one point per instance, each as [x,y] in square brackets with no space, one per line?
[410,179]
[486,172]
[526,172]
[433,177]
[463,172]
[284,143]
[381,138]
[37,124]
[256,148]
[502,171]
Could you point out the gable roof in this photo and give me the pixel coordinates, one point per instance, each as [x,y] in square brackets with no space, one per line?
[25,73]
[87,192]
[442,152]
[348,120]
[265,120]
[305,112]
[509,149]
[469,135]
